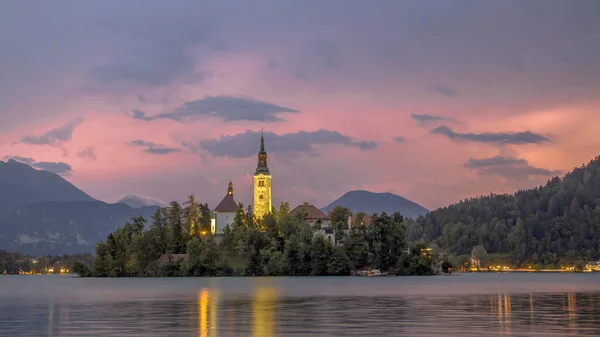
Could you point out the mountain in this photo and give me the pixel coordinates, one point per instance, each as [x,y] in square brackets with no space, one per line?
[137,201]
[58,227]
[370,203]
[551,225]
[21,184]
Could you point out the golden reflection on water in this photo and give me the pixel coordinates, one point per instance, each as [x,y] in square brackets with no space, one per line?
[502,308]
[263,307]
[531,311]
[207,312]
[572,305]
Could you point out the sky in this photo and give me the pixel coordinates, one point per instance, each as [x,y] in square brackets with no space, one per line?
[433,100]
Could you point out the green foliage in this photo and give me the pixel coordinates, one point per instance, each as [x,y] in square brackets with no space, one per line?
[416,262]
[270,246]
[554,225]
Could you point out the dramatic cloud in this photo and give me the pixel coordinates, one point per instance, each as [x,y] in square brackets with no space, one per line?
[516,138]
[54,136]
[246,144]
[424,118]
[60,168]
[508,167]
[24,160]
[226,108]
[88,153]
[446,91]
[399,140]
[54,167]
[152,148]
[354,67]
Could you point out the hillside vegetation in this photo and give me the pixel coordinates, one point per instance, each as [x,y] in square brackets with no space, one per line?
[552,225]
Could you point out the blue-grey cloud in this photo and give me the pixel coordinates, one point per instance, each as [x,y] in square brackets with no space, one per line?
[55,136]
[60,168]
[427,118]
[509,167]
[226,108]
[153,148]
[445,91]
[88,153]
[399,140]
[246,144]
[24,160]
[515,138]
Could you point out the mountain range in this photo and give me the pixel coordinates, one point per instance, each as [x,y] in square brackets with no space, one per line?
[41,213]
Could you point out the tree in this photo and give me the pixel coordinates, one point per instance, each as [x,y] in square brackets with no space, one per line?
[240,217]
[339,220]
[192,216]
[321,251]
[481,257]
[284,209]
[177,243]
[205,218]
[250,220]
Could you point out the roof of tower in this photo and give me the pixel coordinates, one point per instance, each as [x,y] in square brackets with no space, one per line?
[227,204]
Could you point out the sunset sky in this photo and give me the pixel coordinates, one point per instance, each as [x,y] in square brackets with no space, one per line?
[432,100]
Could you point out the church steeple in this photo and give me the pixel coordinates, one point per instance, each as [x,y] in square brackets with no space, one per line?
[262,167]
[262,142]
[230,189]
[262,182]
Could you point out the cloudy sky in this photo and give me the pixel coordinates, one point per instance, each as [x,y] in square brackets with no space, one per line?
[433,100]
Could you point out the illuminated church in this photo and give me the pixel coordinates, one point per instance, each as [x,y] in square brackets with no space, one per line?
[225,211]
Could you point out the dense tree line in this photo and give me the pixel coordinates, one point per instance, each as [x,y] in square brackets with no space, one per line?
[552,225]
[13,263]
[278,244]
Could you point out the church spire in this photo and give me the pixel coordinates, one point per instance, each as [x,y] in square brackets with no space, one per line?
[230,189]
[262,167]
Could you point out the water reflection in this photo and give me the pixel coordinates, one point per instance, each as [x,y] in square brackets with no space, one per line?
[208,306]
[293,307]
[263,305]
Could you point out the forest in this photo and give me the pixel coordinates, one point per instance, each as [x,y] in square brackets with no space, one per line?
[280,244]
[550,226]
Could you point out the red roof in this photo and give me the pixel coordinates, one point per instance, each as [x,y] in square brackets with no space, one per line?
[227,204]
[312,213]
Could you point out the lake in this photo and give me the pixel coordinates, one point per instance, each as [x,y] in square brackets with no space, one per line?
[478,304]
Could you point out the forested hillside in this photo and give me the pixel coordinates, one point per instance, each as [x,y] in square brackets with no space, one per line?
[549,225]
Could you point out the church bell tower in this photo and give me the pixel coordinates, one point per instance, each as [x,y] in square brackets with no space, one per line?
[262,183]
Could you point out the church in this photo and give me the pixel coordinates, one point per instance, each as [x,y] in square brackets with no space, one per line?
[224,213]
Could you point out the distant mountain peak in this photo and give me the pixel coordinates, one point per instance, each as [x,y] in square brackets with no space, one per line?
[377,202]
[22,184]
[138,201]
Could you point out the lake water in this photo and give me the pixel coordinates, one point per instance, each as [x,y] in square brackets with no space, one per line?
[461,305]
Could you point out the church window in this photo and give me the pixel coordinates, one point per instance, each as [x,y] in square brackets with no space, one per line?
[260,197]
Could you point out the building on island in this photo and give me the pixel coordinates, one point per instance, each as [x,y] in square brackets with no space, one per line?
[313,215]
[262,183]
[224,212]
[319,221]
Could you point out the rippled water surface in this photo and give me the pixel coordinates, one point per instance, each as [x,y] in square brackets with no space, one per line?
[461,305]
